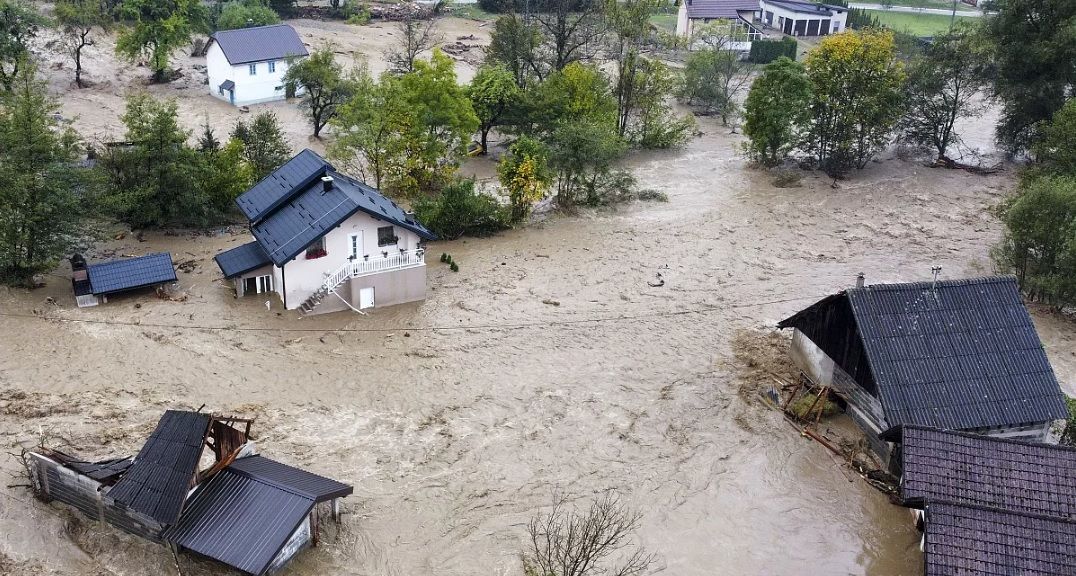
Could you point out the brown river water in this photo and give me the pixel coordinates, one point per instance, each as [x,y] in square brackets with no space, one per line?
[546,365]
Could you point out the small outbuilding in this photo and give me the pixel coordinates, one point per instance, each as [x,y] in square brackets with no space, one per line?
[247,65]
[94,283]
[797,18]
[956,354]
[733,16]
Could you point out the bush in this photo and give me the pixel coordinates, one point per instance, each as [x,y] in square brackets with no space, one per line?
[245,13]
[801,405]
[1068,429]
[356,13]
[766,51]
[787,179]
[460,210]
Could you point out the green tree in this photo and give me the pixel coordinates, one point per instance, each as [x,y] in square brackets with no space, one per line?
[1056,146]
[493,92]
[715,75]
[524,172]
[942,88]
[856,86]
[223,174]
[244,14]
[39,208]
[572,31]
[263,144]
[582,154]
[776,111]
[369,127]
[157,27]
[579,92]
[416,35]
[78,19]
[653,124]
[460,210]
[1040,239]
[514,44]
[324,86]
[1033,52]
[19,22]
[629,21]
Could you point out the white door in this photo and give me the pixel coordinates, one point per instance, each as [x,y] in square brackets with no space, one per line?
[354,245]
[366,298]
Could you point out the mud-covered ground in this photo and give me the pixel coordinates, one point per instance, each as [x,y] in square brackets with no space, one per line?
[547,364]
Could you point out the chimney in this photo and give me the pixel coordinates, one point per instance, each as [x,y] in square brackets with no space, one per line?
[860,280]
[326,183]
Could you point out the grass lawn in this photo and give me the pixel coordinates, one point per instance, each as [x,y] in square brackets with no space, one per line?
[915,24]
[664,21]
[939,4]
[472,12]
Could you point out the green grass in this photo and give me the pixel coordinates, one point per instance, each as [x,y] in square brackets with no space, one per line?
[664,21]
[915,24]
[938,4]
[472,12]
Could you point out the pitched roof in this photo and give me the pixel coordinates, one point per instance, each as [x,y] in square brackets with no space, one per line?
[132,273]
[242,259]
[246,513]
[290,209]
[719,8]
[260,43]
[156,484]
[812,8]
[960,354]
[969,469]
[987,542]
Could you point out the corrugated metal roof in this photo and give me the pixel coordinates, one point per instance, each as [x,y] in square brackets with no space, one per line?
[132,273]
[242,259]
[157,482]
[306,484]
[964,540]
[260,43]
[969,469]
[961,354]
[719,8]
[239,520]
[286,181]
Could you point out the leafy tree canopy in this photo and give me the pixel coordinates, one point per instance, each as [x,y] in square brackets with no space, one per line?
[157,28]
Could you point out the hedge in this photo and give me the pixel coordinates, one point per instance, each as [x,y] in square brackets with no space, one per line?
[766,51]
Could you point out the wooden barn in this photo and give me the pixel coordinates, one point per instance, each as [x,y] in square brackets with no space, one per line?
[956,354]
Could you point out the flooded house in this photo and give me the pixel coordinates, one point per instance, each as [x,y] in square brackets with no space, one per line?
[797,18]
[94,283]
[247,65]
[242,509]
[731,16]
[953,354]
[325,242]
[988,505]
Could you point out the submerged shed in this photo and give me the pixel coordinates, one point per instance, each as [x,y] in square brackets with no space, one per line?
[94,283]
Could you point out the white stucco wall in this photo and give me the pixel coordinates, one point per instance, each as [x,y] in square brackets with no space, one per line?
[261,87]
[837,22]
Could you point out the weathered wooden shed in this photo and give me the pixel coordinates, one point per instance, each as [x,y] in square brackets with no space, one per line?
[955,354]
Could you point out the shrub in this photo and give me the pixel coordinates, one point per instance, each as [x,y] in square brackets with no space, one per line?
[245,13]
[356,13]
[787,179]
[524,172]
[800,406]
[1068,432]
[454,267]
[460,210]
[766,51]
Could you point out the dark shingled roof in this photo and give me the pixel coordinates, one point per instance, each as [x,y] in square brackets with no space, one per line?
[962,355]
[245,514]
[965,540]
[131,274]
[163,471]
[242,259]
[969,469]
[719,8]
[807,7]
[290,209]
[245,45]
[104,470]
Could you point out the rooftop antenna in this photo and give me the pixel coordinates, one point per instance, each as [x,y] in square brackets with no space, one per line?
[935,271]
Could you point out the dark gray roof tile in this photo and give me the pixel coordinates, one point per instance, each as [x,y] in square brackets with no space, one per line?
[131,274]
[260,43]
[242,259]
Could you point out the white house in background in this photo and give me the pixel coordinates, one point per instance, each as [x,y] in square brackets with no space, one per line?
[735,14]
[247,66]
[325,242]
[803,18]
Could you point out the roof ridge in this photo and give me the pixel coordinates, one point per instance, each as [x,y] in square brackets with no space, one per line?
[1070,520]
[974,436]
[890,286]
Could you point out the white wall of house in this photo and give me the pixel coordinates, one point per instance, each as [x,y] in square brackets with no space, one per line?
[802,24]
[262,86]
[686,27]
[302,277]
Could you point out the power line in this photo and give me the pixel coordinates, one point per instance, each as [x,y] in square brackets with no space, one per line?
[509,326]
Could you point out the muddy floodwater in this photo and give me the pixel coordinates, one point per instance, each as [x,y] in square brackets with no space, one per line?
[548,364]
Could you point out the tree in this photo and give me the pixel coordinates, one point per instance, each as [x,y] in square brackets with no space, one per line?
[630,24]
[524,172]
[324,85]
[460,210]
[1055,149]
[19,22]
[582,154]
[715,75]
[577,93]
[369,128]
[1033,57]
[264,147]
[416,36]
[942,87]
[208,140]
[78,19]
[856,86]
[776,111]
[39,205]
[573,542]
[572,31]
[492,92]
[223,174]
[514,44]
[157,28]
[244,14]
[653,123]
[1040,239]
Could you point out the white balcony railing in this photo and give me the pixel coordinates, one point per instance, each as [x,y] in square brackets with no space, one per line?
[361,267]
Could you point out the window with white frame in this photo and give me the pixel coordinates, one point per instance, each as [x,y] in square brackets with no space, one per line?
[272,66]
[253,69]
[386,236]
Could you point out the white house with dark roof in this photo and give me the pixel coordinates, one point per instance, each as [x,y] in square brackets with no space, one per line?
[737,15]
[247,66]
[325,242]
[797,18]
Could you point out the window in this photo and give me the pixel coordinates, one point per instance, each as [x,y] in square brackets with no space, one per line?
[253,69]
[272,66]
[316,249]
[386,236]
[354,243]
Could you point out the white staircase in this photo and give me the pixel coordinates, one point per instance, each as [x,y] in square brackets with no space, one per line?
[355,268]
